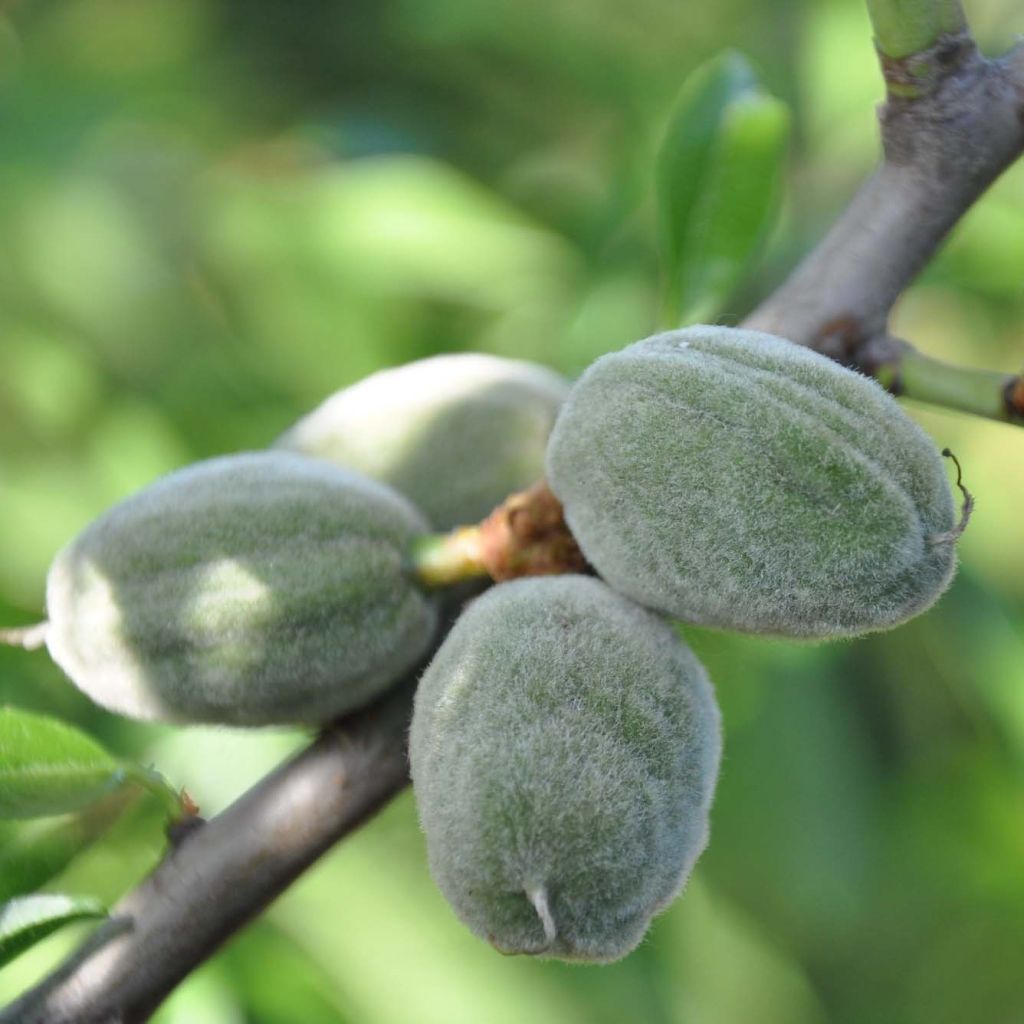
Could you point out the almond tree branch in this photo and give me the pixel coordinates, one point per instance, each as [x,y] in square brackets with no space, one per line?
[224,872]
[943,147]
[526,535]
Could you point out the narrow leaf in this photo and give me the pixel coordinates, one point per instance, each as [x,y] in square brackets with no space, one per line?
[738,205]
[689,138]
[30,919]
[47,767]
[717,180]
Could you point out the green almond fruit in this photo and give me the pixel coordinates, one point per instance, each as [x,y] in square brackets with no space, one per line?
[733,479]
[565,748]
[248,590]
[456,434]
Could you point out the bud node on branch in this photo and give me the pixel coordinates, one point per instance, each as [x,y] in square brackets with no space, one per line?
[527,536]
[919,74]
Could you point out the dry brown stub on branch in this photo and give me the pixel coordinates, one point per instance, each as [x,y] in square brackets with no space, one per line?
[526,535]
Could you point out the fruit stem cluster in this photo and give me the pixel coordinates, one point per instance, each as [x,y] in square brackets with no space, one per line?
[526,535]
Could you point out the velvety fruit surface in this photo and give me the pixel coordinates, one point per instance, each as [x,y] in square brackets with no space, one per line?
[456,434]
[730,478]
[565,747]
[249,589]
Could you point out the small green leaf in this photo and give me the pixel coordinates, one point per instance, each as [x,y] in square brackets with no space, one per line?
[33,852]
[689,138]
[47,767]
[717,184]
[738,204]
[30,919]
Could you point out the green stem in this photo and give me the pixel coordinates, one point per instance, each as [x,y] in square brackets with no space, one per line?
[981,392]
[906,27]
[31,638]
[443,559]
[153,782]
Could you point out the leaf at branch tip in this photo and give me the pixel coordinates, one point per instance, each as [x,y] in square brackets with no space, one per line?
[47,767]
[30,919]
[718,179]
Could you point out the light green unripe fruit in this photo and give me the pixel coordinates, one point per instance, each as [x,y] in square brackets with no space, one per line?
[730,478]
[565,747]
[250,589]
[456,434]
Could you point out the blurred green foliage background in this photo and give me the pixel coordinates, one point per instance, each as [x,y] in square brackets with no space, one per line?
[213,214]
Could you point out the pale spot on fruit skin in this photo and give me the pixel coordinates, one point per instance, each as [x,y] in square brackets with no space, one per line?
[227,579]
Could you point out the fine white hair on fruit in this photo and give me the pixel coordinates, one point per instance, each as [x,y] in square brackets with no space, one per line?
[249,589]
[733,479]
[456,434]
[565,748]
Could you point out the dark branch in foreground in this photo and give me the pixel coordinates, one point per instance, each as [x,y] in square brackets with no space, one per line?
[225,872]
[942,149]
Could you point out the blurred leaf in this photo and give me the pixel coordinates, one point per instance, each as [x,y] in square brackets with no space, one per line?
[31,853]
[717,181]
[210,997]
[29,919]
[47,498]
[361,250]
[688,141]
[297,989]
[738,206]
[707,943]
[132,847]
[379,878]
[84,251]
[800,777]
[49,381]
[47,767]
